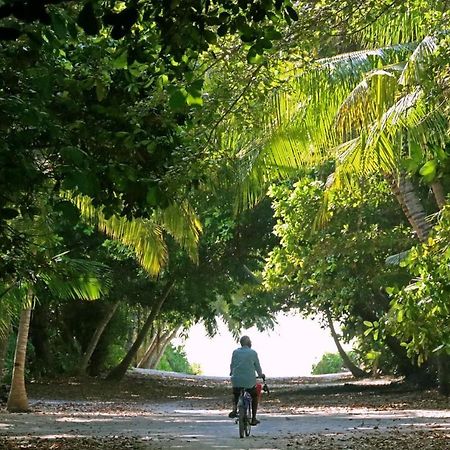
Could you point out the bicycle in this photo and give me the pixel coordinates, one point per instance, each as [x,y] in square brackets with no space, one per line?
[244,413]
[244,406]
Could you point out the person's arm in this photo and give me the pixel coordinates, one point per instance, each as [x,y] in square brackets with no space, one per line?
[232,364]
[258,366]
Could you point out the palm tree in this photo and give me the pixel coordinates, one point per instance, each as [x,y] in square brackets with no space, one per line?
[65,278]
[366,118]
[17,399]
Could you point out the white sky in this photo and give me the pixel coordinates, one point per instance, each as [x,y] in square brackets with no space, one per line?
[289,350]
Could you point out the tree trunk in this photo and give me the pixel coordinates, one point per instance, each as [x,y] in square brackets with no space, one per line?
[156,349]
[406,195]
[18,400]
[96,337]
[118,372]
[164,342]
[143,363]
[355,370]
[159,354]
[443,361]
[439,195]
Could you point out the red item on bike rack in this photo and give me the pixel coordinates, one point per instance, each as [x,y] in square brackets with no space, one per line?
[259,390]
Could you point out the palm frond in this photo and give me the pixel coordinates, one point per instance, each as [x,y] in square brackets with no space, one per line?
[181,222]
[414,70]
[365,103]
[81,287]
[394,27]
[144,237]
[76,278]
[13,299]
[300,122]
[426,124]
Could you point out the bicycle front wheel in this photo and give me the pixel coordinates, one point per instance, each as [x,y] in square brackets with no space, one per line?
[247,422]
[242,422]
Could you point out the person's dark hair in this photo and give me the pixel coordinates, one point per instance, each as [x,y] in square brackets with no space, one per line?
[245,341]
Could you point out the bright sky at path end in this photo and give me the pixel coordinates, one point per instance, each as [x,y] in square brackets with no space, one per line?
[289,350]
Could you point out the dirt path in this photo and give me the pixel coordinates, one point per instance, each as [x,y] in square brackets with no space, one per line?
[146,412]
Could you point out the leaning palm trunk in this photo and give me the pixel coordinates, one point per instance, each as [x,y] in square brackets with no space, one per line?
[355,370]
[414,211]
[96,337]
[18,400]
[439,195]
[118,372]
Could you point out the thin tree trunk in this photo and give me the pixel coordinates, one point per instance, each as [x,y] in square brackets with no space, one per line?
[143,363]
[159,354]
[165,341]
[355,370]
[155,350]
[118,372]
[96,337]
[18,400]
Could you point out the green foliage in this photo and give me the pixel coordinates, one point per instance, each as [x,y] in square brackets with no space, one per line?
[420,311]
[331,363]
[339,268]
[175,360]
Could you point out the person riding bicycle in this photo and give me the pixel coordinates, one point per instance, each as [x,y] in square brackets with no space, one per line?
[244,364]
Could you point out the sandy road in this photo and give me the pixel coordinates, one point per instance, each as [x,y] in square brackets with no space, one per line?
[182,425]
[148,413]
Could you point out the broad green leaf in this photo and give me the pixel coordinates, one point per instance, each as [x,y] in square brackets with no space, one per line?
[121,61]
[178,99]
[72,155]
[58,25]
[152,196]
[101,90]
[136,69]
[254,57]
[428,170]
[191,100]
[210,37]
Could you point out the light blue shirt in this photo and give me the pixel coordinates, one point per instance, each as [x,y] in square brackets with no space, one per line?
[244,364]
